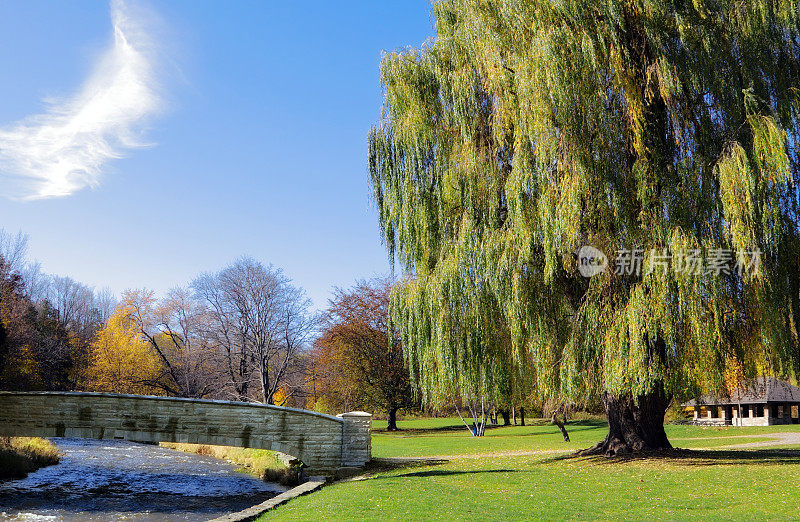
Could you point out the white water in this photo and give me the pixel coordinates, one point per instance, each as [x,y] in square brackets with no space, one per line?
[119,480]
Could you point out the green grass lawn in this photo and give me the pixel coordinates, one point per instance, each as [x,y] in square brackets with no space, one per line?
[476,477]
[430,437]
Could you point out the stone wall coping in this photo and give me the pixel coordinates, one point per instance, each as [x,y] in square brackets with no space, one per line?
[355,414]
[338,419]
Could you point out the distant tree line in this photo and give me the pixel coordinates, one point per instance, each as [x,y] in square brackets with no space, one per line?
[243,333]
[237,334]
[240,334]
[47,323]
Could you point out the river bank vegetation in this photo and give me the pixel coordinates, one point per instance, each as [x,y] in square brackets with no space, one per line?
[22,455]
[263,464]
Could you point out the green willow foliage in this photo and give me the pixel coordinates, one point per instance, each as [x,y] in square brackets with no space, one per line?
[527,129]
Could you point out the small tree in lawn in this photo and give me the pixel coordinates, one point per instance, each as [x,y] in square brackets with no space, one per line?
[358,359]
[527,130]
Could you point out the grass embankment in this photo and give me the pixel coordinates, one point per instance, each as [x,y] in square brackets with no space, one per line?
[263,464]
[529,472]
[22,455]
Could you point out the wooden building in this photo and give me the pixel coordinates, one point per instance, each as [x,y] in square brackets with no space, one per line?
[760,402]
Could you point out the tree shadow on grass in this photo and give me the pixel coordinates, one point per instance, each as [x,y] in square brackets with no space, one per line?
[394,464]
[571,428]
[449,472]
[687,457]
[596,423]
[402,432]
[453,428]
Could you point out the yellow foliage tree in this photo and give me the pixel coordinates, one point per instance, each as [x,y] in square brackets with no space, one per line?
[281,396]
[121,361]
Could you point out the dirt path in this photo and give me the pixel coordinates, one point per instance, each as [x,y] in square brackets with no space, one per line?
[777,439]
[519,453]
[717,437]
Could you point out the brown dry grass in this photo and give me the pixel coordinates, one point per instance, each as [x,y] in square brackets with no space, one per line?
[22,455]
[264,464]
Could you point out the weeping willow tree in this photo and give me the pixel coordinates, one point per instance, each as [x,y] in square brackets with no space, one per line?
[526,130]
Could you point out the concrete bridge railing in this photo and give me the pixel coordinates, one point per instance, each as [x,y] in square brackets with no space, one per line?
[322,442]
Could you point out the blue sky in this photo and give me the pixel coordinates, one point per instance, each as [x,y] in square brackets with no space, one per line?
[243,132]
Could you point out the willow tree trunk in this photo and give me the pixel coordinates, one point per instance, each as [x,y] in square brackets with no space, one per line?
[392,425]
[634,425]
[506,417]
[560,425]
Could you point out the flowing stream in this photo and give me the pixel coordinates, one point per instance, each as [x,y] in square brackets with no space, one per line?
[119,480]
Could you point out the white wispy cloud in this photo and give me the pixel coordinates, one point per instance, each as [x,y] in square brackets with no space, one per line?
[66,148]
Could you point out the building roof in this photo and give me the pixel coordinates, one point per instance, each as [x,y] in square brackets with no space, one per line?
[755,391]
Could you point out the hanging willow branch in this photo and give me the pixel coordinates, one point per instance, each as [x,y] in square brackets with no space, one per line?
[650,125]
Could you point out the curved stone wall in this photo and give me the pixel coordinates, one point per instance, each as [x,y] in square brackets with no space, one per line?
[323,442]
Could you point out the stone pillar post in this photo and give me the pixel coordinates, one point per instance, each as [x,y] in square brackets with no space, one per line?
[356,438]
[751,410]
[723,410]
[696,412]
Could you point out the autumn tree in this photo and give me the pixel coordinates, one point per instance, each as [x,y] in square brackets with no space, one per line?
[37,350]
[175,330]
[47,323]
[358,358]
[19,368]
[260,322]
[121,360]
[527,130]
[73,307]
